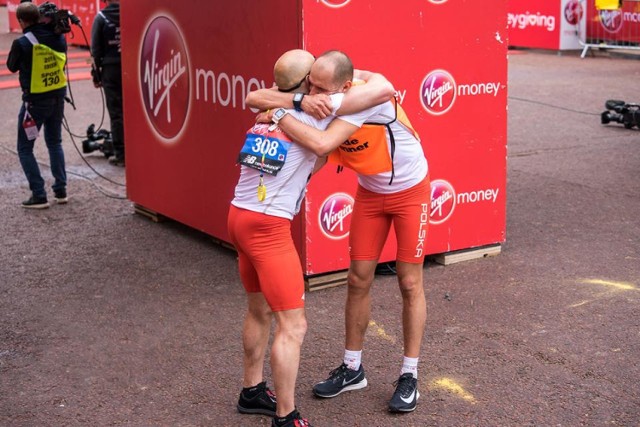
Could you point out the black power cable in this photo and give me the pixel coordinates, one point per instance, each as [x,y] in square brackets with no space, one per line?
[552,106]
[100,189]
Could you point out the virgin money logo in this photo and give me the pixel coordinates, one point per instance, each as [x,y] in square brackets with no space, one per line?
[164,77]
[335,216]
[437,1]
[611,20]
[438,92]
[573,12]
[443,201]
[334,4]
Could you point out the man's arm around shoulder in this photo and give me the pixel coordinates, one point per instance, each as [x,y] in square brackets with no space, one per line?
[362,96]
[318,106]
[321,143]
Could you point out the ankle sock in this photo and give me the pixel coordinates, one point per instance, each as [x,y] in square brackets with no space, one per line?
[410,364]
[353,359]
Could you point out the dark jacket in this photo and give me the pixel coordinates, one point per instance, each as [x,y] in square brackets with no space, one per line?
[105,36]
[20,58]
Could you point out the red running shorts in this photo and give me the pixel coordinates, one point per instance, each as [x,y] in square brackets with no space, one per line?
[373,214]
[267,257]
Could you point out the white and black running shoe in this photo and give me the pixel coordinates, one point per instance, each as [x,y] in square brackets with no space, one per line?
[406,396]
[341,379]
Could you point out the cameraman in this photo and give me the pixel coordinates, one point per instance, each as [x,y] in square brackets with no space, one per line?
[105,49]
[40,56]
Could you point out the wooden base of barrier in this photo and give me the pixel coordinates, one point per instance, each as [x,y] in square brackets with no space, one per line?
[453,257]
[327,280]
[152,215]
[224,244]
[338,278]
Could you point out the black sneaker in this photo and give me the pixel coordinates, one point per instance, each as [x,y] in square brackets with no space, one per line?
[386,269]
[292,420]
[36,203]
[117,161]
[61,197]
[406,396]
[341,379]
[262,400]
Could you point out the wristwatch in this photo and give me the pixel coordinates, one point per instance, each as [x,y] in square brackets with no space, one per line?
[297,101]
[277,116]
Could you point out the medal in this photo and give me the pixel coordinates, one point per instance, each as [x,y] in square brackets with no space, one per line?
[262,189]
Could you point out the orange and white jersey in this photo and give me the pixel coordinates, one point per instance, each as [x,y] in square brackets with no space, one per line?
[369,151]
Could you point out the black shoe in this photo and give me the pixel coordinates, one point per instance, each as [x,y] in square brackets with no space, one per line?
[107,148]
[36,203]
[61,197]
[117,161]
[341,379]
[406,396]
[292,420]
[257,400]
[386,269]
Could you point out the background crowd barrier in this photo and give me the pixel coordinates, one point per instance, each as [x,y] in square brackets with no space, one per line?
[545,24]
[611,24]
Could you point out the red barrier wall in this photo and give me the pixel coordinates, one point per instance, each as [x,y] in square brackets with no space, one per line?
[617,26]
[546,24]
[186,76]
[86,10]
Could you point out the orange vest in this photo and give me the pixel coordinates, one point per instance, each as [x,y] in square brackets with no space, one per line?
[366,150]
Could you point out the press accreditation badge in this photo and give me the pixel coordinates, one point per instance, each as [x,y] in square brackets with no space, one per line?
[30,127]
[263,150]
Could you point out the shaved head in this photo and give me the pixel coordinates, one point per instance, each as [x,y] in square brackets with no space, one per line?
[337,64]
[291,68]
[331,73]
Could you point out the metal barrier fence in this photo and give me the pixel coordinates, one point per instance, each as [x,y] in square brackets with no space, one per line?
[610,24]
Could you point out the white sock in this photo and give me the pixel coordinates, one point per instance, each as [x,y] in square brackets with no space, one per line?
[410,364]
[353,359]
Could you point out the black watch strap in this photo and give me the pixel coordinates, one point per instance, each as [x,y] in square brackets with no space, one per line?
[297,101]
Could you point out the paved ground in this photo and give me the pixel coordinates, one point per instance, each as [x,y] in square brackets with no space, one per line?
[107,318]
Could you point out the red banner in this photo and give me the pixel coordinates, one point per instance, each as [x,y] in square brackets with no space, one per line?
[425,49]
[620,26]
[186,78]
[86,10]
[548,24]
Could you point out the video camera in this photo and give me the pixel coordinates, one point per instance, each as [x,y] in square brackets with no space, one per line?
[60,19]
[621,112]
[100,140]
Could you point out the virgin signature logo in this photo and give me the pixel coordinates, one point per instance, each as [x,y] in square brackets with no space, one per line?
[164,76]
[438,92]
[335,216]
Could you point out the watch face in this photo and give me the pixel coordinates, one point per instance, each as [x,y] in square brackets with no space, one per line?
[280,112]
[298,96]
